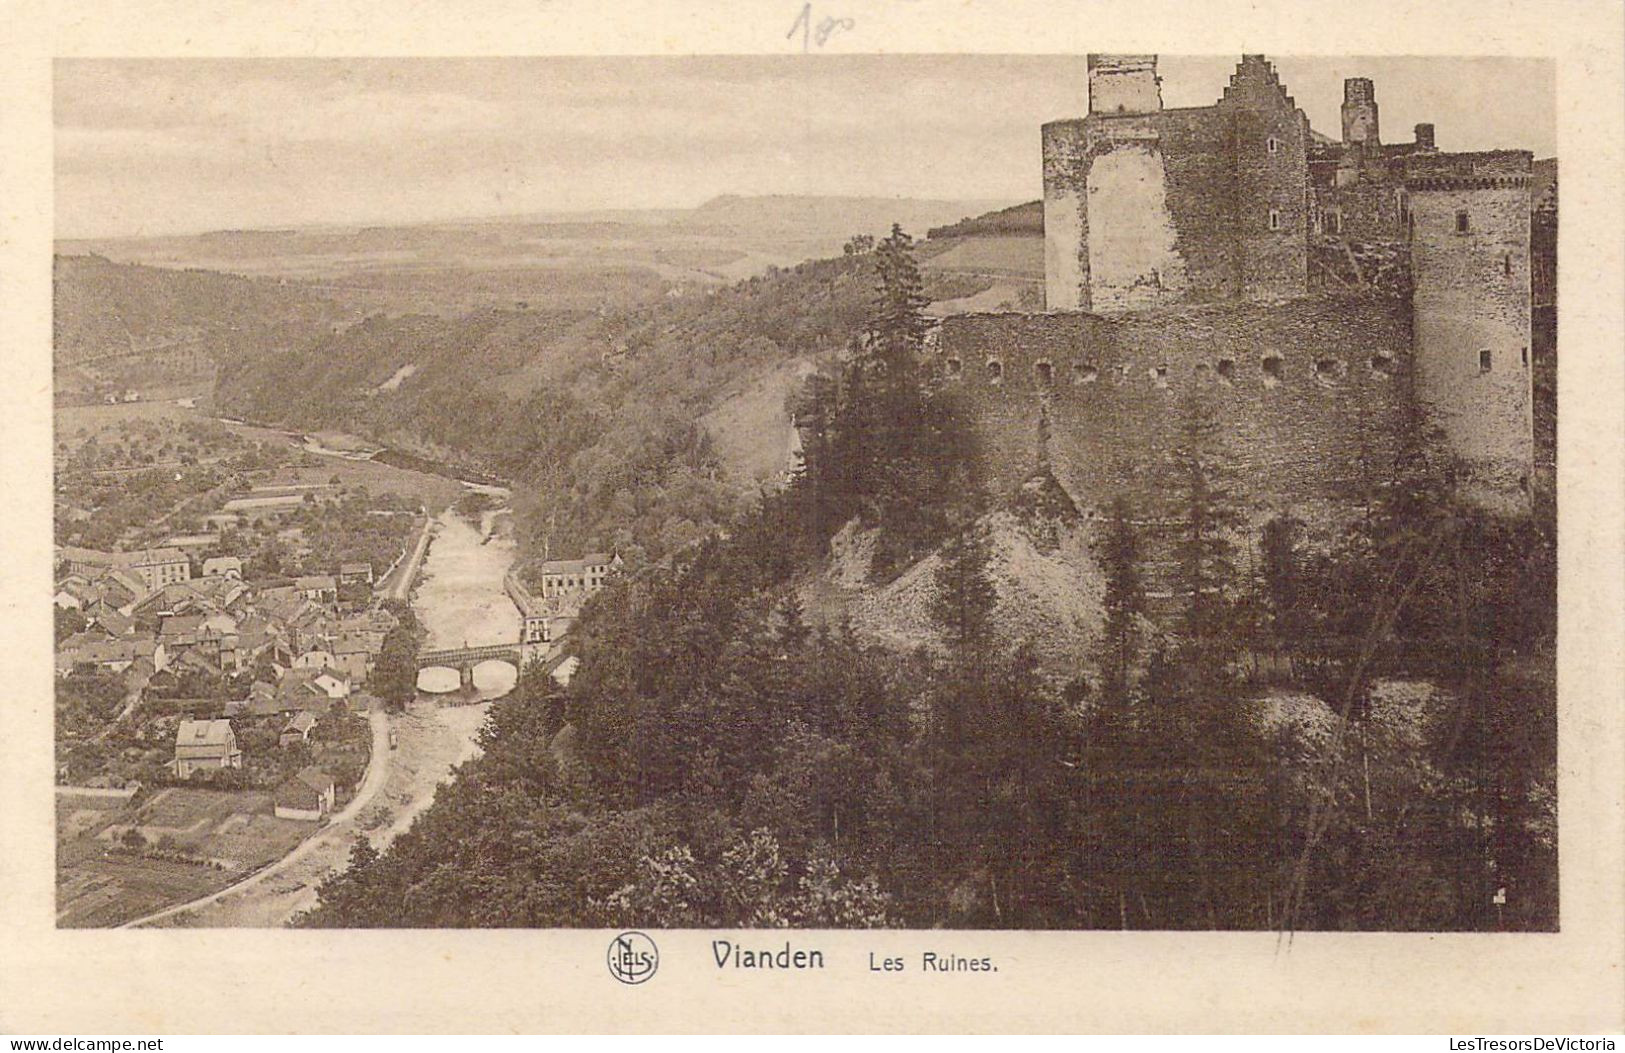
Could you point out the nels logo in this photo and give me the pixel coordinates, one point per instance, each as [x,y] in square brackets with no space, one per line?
[633,957]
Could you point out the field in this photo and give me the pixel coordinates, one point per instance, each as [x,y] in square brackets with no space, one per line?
[200,840]
[436,492]
[101,420]
[1013,256]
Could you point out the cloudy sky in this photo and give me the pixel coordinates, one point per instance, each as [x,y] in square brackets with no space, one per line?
[164,146]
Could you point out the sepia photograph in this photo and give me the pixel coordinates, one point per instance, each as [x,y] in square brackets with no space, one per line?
[742,492]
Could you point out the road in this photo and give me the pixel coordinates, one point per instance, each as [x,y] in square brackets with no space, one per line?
[338,828]
[408,571]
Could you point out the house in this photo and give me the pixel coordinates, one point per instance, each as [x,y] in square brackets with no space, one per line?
[547,620]
[262,701]
[298,729]
[335,685]
[350,573]
[75,592]
[319,588]
[195,660]
[353,655]
[156,567]
[203,745]
[109,621]
[587,574]
[114,656]
[225,566]
[194,545]
[307,796]
[372,625]
[308,689]
[318,657]
[122,589]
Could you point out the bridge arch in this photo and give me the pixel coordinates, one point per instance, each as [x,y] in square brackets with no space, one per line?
[495,659]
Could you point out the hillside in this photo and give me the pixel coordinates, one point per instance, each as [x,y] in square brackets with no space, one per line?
[102,308]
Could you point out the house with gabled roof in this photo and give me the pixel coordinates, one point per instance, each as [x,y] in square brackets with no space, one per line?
[205,745]
[307,796]
[298,728]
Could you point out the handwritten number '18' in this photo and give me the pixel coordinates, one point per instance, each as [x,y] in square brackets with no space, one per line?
[827,27]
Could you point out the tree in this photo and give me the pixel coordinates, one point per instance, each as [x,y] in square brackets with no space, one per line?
[68,622]
[897,326]
[1206,519]
[394,673]
[962,605]
[1124,602]
[1279,575]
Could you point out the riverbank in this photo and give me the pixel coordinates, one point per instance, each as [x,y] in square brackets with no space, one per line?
[459,596]
[430,742]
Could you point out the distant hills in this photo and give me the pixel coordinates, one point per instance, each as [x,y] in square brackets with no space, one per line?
[724,239]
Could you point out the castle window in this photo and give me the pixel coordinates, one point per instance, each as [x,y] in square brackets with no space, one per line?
[954,368]
[1273,368]
[1382,364]
[1046,374]
[995,371]
[1273,144]
[1484,361]
[1226,370]
[1085,373]
[1506,264]
[1462,225]
[1159,375]
[1329,370]
[1334,221]
[1526,357]
[1275,219]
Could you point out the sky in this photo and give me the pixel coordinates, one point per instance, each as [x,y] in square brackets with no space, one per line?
[159,146]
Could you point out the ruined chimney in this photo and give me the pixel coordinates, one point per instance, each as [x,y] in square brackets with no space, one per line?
[1360,111]
[1123,84]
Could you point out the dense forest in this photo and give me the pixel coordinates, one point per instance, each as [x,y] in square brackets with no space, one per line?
[594,416]
[717,761]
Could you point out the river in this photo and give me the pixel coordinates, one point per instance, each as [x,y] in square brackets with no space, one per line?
[460,601]
[459,596]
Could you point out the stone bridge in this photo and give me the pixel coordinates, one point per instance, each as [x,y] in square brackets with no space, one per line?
[465,658]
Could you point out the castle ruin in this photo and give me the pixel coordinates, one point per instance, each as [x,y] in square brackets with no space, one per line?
[1322,296]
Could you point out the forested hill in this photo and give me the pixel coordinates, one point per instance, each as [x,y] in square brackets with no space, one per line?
[104,308]
[596,416]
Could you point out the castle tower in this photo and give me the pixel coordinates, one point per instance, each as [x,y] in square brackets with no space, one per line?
[1360,112]
[1470,269]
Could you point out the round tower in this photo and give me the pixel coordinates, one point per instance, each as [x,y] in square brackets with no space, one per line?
[1469,216]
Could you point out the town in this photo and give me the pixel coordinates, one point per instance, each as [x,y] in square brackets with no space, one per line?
[225,691]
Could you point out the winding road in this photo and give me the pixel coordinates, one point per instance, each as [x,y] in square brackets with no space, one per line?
[339,826]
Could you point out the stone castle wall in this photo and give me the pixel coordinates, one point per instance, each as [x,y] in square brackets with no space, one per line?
[1311,396]
[1145,206]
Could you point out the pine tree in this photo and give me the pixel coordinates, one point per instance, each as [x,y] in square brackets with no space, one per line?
[1279,574]
[963,603]
[1207,518]
[897,327]
[1124,602]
